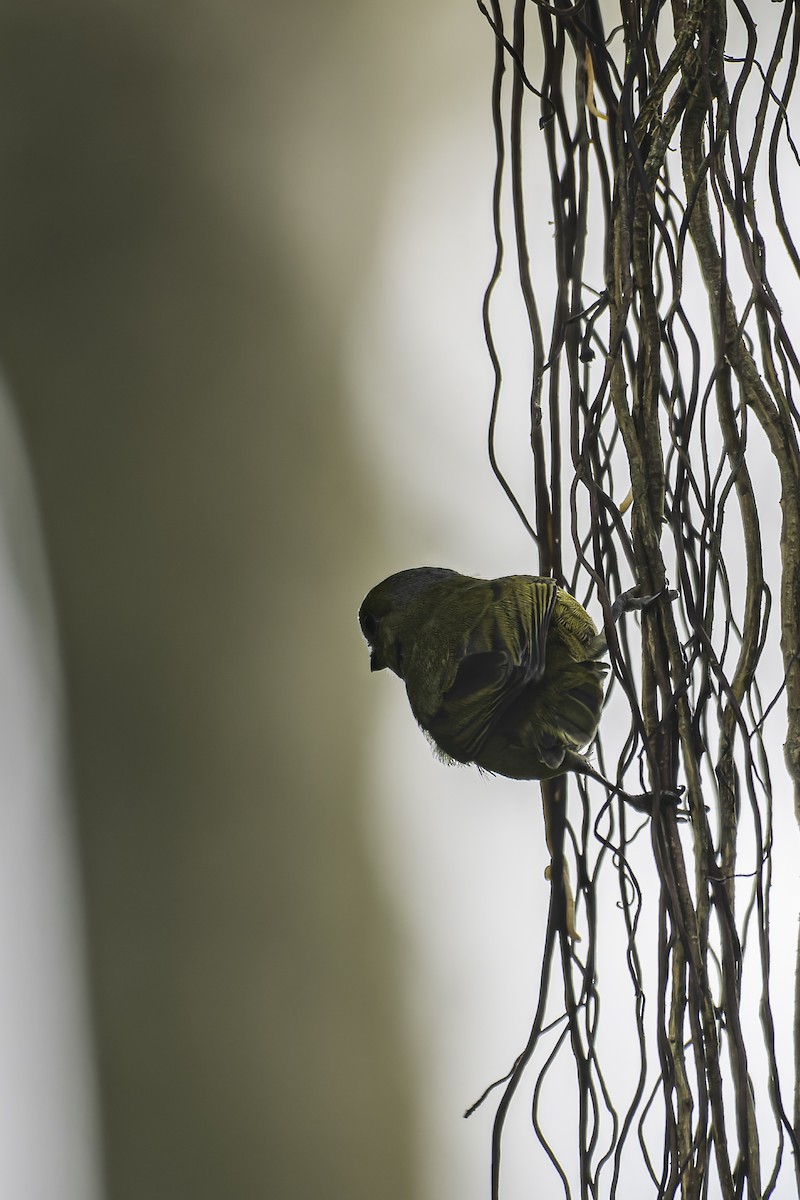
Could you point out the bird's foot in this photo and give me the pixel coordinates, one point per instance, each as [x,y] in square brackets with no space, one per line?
[630,602]
[644,803]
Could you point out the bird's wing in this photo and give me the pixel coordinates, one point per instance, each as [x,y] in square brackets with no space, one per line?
[505,650]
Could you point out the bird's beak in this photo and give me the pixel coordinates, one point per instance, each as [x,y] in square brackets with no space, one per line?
[375,663]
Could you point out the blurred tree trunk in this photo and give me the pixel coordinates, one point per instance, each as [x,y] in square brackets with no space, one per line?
[171,341]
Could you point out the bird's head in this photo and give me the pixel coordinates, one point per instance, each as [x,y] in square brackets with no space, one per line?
[381,615]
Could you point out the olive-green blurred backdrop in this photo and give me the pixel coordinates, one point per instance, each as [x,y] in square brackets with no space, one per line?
[188,200]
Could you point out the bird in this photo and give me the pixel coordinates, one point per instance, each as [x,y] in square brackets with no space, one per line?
[507,674]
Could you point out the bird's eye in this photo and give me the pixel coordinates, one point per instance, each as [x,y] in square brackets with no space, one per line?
[369,624]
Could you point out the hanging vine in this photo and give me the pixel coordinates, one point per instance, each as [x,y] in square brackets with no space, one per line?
[663,429]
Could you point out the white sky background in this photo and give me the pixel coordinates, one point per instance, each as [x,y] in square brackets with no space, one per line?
[465,855]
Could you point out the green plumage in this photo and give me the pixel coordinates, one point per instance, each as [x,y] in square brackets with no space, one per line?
[505,673]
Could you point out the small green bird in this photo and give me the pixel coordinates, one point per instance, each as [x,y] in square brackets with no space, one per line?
[504,673]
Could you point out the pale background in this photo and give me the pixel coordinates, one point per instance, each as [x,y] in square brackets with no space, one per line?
[242,257]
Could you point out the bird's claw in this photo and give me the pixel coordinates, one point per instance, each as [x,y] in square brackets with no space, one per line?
[644,802]
[629,602]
